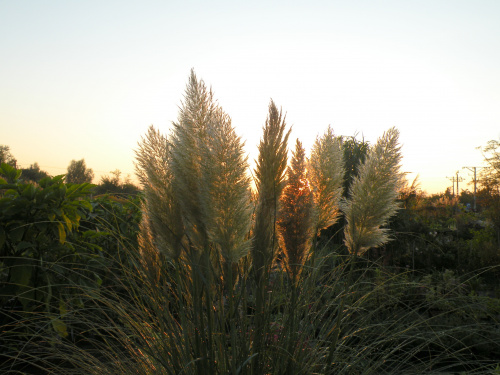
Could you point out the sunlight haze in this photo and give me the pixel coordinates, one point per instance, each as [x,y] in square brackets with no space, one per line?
[86,79]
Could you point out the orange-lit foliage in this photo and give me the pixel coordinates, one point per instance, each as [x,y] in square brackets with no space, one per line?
[295,219]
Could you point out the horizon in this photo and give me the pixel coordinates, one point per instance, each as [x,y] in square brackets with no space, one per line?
[87,80]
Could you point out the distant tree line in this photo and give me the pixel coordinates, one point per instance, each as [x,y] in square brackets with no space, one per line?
[77,172]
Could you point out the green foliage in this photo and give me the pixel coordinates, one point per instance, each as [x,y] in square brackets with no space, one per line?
[78,173]
[56,251]
[37,226]
[9,173]
[355,152]
[32,215]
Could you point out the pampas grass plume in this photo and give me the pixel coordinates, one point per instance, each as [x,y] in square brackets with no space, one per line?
[326,174]
[226,189]
[373,195]
[161,226]
[269,181]
[296,209]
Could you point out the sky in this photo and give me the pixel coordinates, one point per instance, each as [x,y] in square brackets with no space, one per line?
[85,79]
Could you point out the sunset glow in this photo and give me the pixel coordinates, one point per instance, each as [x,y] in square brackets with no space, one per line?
[85,80]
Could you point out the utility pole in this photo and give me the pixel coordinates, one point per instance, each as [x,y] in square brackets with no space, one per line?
[458,179]
[473,169]
[452,179]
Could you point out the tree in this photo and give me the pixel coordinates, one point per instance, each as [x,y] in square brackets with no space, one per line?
[115,186]
[354,155]
[490,183]
[6,156]
[78,173]
[490,175]
[33,173]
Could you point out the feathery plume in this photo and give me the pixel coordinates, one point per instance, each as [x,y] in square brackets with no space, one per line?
[326,174]
[295,218]
[226,188]
[196,183]
[187,139]
[373,195]
[161,224]
[270,180]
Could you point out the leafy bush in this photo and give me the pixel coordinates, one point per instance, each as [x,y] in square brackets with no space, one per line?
[36,227]
[54,243]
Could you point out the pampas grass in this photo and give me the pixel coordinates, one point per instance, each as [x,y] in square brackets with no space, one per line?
[373,195]
[270,181]
[189,135]
[295,217]
[227,189]
[162,226]
[326,173]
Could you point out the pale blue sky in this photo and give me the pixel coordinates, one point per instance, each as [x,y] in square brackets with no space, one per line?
[85,79]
